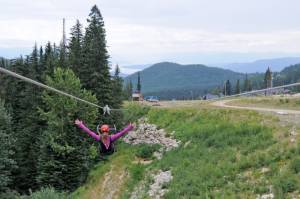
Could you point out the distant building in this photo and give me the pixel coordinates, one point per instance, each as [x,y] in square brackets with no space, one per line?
[209,96]
[136,96]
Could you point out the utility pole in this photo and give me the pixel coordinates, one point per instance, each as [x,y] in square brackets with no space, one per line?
[225,91]
[64,33]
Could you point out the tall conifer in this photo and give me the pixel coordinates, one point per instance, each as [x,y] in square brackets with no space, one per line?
[95,74]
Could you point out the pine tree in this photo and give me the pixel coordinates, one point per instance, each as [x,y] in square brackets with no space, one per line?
[237,87]
[127,92]
[22,100]
[117,88]
[227,89]
[250,85]
[117,96]
[246,84]
[7,163]
[94,74]
[139,86]
[42,65]
[49,59]
[65,152]
[268,78]
[34,61]
[75,48]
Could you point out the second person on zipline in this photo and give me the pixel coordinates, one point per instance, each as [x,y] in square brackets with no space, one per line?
[106,141]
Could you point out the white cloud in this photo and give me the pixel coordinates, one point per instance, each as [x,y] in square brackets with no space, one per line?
[150,31]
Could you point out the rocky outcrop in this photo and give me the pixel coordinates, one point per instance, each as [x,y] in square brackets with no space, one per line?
[146,133]
[158,188]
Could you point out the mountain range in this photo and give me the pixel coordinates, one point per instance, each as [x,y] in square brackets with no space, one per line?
[171,80]
[260,66]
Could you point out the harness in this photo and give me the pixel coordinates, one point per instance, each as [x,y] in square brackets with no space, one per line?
[104,150]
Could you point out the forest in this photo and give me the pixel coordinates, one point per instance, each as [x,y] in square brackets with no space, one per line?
[40,145]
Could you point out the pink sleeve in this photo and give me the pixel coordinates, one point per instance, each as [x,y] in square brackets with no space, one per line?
[88,131]
[121,133]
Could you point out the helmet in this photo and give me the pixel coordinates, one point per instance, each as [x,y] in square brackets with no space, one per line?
[104,128]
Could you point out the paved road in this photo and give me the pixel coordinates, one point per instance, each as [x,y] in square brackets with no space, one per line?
[223,103]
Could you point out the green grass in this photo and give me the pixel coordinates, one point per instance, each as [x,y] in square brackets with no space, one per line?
[227,151]
[122,159]
[292,103]
[225,156]
[146,151]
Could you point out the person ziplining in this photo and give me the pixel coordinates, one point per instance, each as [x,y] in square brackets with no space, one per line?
[106,141]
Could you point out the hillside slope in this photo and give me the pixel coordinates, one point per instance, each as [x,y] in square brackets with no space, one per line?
[224,154]
[170,78]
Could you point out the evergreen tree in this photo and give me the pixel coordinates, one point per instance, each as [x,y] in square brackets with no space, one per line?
[23,100]
[65,152]
[75,48]
[94,74]
[227,88]
[117,88]
[268,78]
[34,62]
[7,163]
[237,87]
[42,66]
[250,85]
[49,59]
[139,86]
[128,90]
[117,96]
[246,84]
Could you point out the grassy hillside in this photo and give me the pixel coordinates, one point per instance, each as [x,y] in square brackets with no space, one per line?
[224,154]
[170,79]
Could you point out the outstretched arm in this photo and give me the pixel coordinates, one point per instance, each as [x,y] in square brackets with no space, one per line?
[80,124]
[121,133]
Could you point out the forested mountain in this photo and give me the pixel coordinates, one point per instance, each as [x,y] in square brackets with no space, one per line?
[171,80]
[288,75]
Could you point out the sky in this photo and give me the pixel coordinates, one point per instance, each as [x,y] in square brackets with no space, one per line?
[146,32]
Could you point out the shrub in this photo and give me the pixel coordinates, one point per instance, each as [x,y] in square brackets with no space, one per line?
[281,101]
[146,150]
[287,100]
[9,195]
[295,165]
[49,193]
[285,183]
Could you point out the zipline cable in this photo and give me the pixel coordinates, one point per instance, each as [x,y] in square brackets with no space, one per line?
[106,108]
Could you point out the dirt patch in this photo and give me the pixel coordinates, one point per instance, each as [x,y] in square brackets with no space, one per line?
[111,185]
[142,161]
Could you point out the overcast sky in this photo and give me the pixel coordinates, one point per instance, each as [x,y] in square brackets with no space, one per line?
[143,32]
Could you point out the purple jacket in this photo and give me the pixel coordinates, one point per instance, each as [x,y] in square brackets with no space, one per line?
[113,137]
